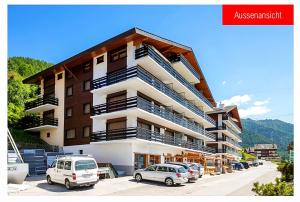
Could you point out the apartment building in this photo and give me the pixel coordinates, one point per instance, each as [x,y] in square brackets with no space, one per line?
[227,133]
[133,100]
[266,151]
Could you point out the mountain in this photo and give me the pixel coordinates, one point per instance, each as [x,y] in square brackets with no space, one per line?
[267,131]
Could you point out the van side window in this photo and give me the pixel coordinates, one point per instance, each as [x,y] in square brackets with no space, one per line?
[60,164]
[67,165]
[53,164]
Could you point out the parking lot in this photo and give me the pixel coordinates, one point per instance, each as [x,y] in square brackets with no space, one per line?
[237,183]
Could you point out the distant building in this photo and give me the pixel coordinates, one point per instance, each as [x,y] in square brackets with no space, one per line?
[265,151]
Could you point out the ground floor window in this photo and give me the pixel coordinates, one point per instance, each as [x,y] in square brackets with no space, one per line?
[144,160]
[154,159]
[139,161]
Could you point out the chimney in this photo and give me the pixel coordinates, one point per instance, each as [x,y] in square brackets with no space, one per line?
[221,105]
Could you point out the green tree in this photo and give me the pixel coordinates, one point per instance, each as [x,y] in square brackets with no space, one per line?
[19,93]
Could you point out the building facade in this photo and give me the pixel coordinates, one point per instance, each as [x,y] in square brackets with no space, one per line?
[133,100]
[227,133]
[266,151]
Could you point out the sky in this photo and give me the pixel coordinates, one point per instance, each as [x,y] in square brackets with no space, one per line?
[250,66]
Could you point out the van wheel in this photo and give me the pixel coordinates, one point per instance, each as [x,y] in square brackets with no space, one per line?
[49,181]
[138,177]
[68,184]
[169,182]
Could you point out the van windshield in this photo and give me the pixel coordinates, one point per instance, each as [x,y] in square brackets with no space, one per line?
[85,165]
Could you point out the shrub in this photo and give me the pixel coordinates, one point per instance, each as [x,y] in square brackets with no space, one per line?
[280,188]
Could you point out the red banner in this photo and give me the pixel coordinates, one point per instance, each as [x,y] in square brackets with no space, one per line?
[258,14]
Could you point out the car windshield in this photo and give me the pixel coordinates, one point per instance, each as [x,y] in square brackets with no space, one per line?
[181,170]
[85,165]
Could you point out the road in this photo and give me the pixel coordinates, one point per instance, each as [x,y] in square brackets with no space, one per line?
[238,183]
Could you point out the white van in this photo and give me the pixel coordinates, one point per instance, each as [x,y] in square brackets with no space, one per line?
[73,170]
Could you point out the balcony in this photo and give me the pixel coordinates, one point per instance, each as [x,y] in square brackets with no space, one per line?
[151,108]
[38,123]
[228,119]
[154,62]
[148,78]
[226,130]
[41,104]
[228,151]
[145,134]
[183,67]
[230,141]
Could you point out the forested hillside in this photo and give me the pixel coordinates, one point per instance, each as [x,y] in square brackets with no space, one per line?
[268,131]
[20,68]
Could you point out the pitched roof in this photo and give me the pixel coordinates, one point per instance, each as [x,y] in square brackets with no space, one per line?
[265,146]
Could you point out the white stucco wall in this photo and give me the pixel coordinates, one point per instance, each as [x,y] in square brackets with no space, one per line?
[131,55]
[115,153]
[57,134]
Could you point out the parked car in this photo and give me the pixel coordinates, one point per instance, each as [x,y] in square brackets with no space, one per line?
[260,163]
[199,167]
[255,164]
[238,166]
[245,164]
[193,174]
[73,171]
[167,173]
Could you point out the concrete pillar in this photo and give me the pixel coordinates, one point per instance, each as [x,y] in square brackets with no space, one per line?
[131,55]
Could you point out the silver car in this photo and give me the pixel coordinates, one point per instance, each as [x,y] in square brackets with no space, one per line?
[193,174]
[199,167]
[169,174]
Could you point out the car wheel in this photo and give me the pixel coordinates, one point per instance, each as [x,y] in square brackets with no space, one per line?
[169,182]
[49,181]
[68,184]
[138,177]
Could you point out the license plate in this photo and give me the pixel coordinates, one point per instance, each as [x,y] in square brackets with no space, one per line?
[86,175]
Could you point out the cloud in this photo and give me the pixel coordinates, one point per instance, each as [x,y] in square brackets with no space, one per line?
[224,83]
[253,108]
[262,102]
[253,111]
[237,100]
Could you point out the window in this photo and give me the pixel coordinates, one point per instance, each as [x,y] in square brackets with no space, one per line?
[85,165]
[172,170]
[86,131]
[87,66]
[68,165]
[53,165]
[86,85]
[151,168]
[144,125]
[69,91]
[69,112]
[118,54]
[116,125]
[100,59]
[60,164]
[59,76]
[71,133]
[162,169]
[86,108]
